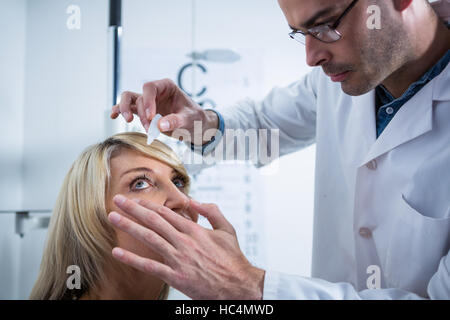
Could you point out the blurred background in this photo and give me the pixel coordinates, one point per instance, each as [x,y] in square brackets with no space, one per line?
[62,65]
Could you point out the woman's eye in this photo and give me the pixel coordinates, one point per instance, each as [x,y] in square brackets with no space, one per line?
[179,183]
[142,184]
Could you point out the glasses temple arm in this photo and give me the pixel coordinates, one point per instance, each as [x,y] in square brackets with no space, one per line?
[338,21]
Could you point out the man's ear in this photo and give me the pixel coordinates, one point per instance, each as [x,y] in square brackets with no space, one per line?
[401,5]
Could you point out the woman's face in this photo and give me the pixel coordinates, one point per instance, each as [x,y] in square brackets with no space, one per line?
[135,175]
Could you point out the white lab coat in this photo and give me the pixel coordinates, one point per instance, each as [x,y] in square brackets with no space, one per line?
[378,202]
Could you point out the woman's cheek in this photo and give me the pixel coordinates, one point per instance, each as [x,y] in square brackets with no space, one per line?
[126,241]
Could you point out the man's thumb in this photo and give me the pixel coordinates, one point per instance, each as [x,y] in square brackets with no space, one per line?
[169,123]
[211,212]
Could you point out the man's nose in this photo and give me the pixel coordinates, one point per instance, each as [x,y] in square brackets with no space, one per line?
[317,53]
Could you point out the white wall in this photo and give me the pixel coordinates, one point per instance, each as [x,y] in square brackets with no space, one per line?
[12,66]
[66,92]
[53,97]
[66,96]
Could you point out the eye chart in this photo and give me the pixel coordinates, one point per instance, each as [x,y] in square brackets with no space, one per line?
[234,187]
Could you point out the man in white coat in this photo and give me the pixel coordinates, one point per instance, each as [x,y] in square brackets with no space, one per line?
[379,113]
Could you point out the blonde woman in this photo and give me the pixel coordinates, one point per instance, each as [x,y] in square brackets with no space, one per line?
[80,233]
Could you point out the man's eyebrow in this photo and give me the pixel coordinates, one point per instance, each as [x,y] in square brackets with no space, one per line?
[315,17]
[140,169]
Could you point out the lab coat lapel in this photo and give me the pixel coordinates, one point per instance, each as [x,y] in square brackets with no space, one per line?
[360,131]
[411,121]
[441,89]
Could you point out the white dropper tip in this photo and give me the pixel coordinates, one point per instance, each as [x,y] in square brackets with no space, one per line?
[153,130]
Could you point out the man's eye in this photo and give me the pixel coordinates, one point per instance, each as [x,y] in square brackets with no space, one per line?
[320,24]
[325,22]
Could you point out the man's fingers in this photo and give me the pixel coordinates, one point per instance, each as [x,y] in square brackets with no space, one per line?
[145,265]
[172,122]
[211,212]
[183,223]
[115,111]
[149,218]
[146,236]
[127,102]
[150,92]
[141,112]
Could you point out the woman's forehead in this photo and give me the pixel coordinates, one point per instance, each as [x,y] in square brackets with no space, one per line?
[128,159]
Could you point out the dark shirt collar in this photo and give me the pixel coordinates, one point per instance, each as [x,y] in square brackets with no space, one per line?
[387,106]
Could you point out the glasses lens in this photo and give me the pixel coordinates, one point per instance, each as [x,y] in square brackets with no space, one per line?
[297,36]
[325,33]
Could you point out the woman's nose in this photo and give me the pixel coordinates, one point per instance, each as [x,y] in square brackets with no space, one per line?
[178,201]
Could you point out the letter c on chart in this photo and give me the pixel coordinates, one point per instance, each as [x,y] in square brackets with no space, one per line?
[180,78]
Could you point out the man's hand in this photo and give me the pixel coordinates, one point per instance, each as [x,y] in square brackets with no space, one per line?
[166,98]
[201,263]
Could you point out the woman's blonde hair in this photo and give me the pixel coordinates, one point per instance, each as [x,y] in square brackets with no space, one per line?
[79,232]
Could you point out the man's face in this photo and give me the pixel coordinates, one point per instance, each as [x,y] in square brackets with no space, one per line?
[363,58]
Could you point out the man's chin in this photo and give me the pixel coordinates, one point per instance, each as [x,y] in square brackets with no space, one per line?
[354,88]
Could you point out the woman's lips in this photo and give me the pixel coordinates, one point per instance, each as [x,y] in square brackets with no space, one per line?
[339,77]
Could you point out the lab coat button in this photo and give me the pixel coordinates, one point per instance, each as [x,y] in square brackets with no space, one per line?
[372,165]
[365,233]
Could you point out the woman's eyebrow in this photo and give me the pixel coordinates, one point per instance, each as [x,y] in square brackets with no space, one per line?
[175,173]
[140,169]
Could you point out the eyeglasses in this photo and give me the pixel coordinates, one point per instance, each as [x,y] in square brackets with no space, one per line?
[325,32]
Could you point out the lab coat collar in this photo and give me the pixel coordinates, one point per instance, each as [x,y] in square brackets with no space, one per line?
[413,119]
[441,91]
